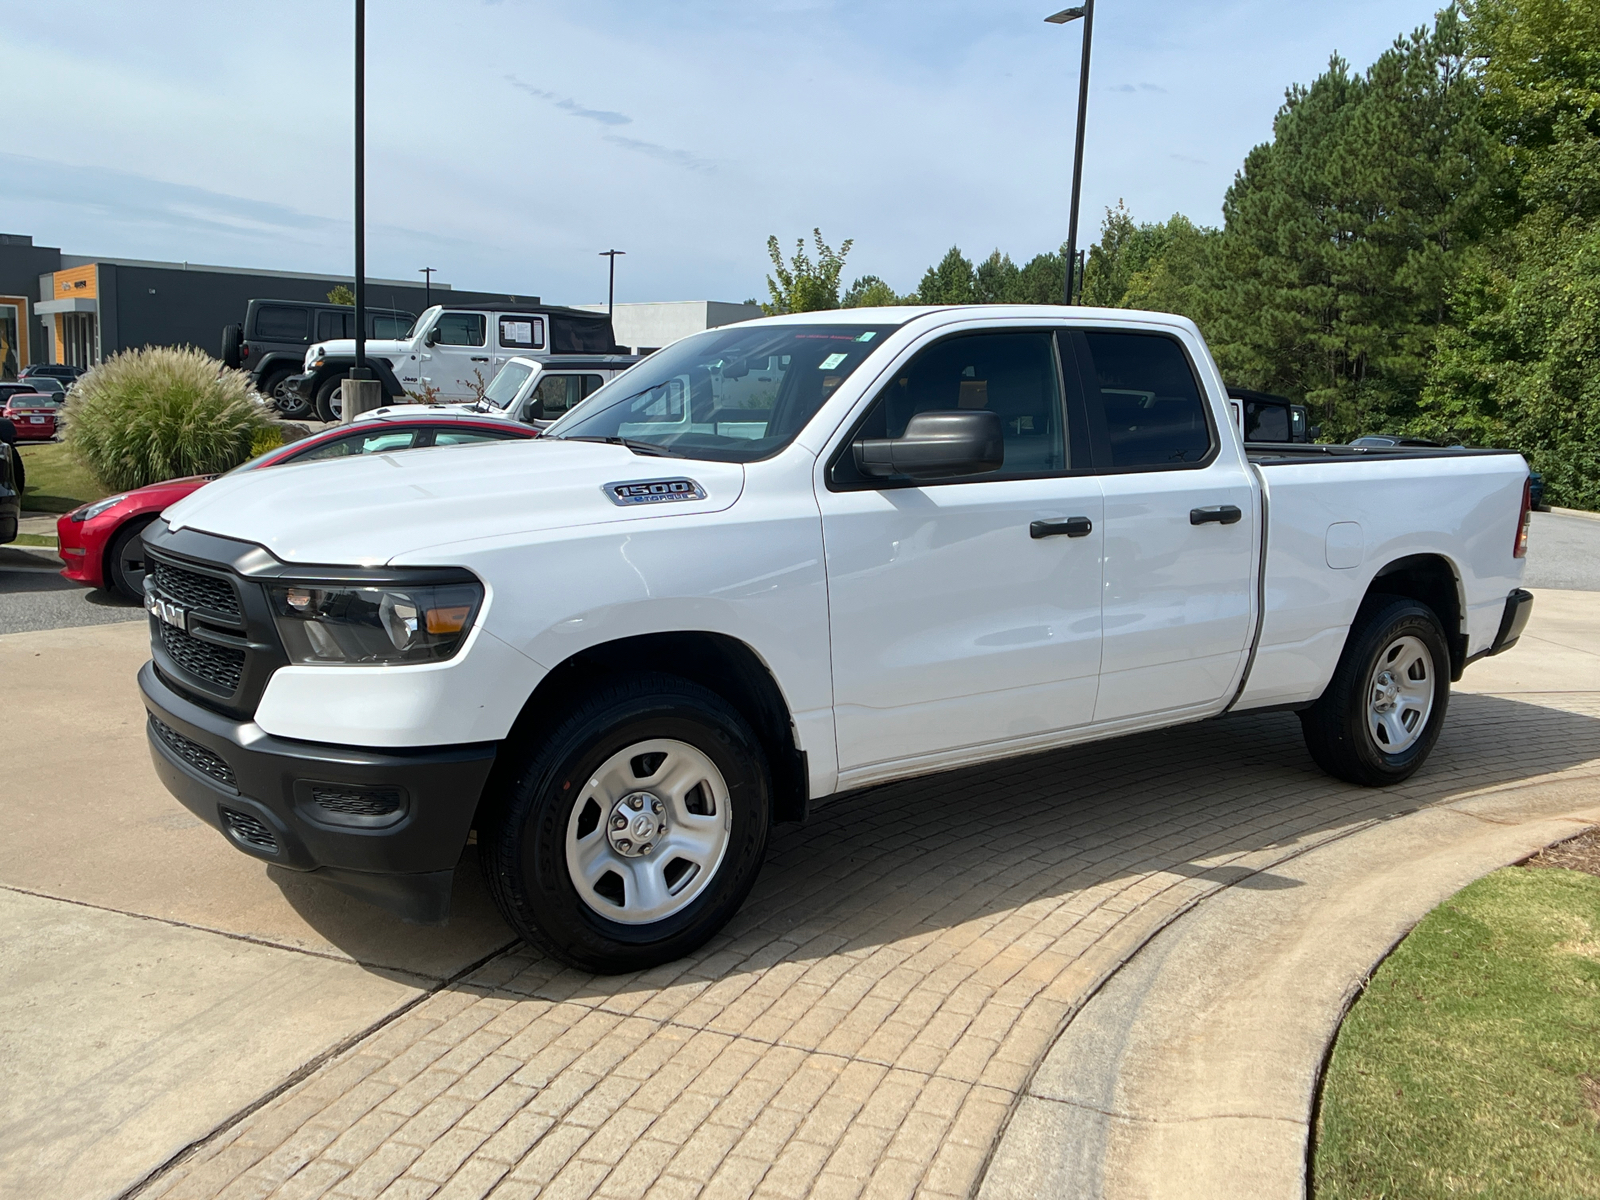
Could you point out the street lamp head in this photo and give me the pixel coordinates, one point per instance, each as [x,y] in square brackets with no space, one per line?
[1065,15]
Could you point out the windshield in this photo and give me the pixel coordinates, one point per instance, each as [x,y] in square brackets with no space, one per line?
[732,395]
[504,386]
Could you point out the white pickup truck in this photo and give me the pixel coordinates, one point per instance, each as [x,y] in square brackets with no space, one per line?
[782,560]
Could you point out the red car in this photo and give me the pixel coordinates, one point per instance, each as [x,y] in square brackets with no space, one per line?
[101,543]
[34,415]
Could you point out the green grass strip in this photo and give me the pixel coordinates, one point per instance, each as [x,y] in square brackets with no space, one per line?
[58,481]
[1471,1064]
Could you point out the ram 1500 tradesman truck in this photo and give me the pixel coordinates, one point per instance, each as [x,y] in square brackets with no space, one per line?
[779,561]
[451,351]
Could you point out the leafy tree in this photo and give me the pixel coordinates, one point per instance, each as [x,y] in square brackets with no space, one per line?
[802,285]
[341,295]
[951,282]
[1516,368]
[870,292]
[996,280]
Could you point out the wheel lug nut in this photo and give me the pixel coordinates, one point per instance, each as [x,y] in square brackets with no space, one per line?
[655,806]
[619,822]
[635,803]
[624,844]
[645,849]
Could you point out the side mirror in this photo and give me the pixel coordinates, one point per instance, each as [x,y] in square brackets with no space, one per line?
[432,339]
[937,445]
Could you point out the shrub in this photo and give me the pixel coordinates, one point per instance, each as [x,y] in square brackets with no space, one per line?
[160,413]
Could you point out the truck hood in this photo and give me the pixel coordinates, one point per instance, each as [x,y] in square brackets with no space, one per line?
[369,510]
[346,348]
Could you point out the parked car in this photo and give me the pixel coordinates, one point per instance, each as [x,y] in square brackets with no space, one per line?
[101,542]
[787,559]
[451,348]
[34,415]
[1263,417]
[11,482]
[271,342]
[536,392]
[66,373]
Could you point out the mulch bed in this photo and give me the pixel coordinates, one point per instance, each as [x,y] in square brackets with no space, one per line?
[1581,853]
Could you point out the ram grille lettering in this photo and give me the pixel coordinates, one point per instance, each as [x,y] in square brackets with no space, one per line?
[653,491]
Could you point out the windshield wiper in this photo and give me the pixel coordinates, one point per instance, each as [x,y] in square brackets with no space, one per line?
[633,444]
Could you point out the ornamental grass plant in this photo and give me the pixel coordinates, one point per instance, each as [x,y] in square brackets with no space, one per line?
[162,413]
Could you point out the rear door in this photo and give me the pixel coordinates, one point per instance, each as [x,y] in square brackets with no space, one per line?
[1181,527]
[518,333]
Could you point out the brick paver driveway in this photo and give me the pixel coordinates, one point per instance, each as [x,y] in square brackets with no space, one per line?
[868,1020]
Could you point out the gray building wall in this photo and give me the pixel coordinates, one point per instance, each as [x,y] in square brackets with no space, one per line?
[21,264]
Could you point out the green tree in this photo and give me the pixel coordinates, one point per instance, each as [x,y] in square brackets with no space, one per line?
[996,280]
[870,292]
[1343,234]
[1516,367]
[802,285]
[341,295]
[952,281]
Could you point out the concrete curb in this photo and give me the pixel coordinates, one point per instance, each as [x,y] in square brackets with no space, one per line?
[1576,512]
[1193,1071]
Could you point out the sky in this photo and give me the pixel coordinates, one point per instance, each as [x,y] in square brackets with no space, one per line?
[510,141]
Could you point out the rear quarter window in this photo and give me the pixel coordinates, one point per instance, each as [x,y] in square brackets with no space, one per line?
[281,323]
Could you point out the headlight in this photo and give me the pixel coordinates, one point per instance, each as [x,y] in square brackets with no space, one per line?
[375,625]
[89,511]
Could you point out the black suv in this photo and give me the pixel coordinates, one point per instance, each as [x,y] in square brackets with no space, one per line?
[271,344]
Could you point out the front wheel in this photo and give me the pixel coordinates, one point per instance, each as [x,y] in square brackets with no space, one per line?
[634,831]
[125,561]
[1381,714]
[330,400]
[285,399]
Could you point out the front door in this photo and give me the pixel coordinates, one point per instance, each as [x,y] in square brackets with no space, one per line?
[966,613]
[460,348]
[1181,528]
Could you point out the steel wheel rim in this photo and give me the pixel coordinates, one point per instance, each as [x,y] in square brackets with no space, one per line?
[648,832]
[336,403]
[1400,695]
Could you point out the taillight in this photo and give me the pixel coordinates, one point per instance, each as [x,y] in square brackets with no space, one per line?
[244,352]
[1525,522]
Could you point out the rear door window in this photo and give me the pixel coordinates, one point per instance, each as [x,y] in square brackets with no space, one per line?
[335,325]
[1144,402]
[518,332]
[281,323]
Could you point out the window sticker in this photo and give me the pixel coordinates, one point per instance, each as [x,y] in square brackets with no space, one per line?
[832,361]
[516,333]
[868,335]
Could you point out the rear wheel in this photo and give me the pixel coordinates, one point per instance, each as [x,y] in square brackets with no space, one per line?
[634,831]
[286,400]
[1380,716]
[125,563]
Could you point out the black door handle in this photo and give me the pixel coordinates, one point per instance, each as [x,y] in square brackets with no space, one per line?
[1220,514]
[1071,526]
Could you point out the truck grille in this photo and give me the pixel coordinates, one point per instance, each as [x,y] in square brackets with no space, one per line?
[193,753]
[190,589]
[249,830]
[218,665]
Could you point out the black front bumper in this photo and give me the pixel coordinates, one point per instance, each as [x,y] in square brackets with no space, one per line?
[387,826]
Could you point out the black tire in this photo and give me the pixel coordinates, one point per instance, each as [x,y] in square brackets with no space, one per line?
[288,403]
[325,391]
[125,561]
[232,342]
[1339,728]
[524,825]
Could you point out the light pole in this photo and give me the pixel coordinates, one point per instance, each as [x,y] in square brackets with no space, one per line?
[360,371]
[427,285]
[1086,11]
[611,290]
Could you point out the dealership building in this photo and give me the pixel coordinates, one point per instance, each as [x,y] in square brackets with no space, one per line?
[79,309]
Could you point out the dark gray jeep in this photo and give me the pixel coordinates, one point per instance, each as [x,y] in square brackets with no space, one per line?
[271,343]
